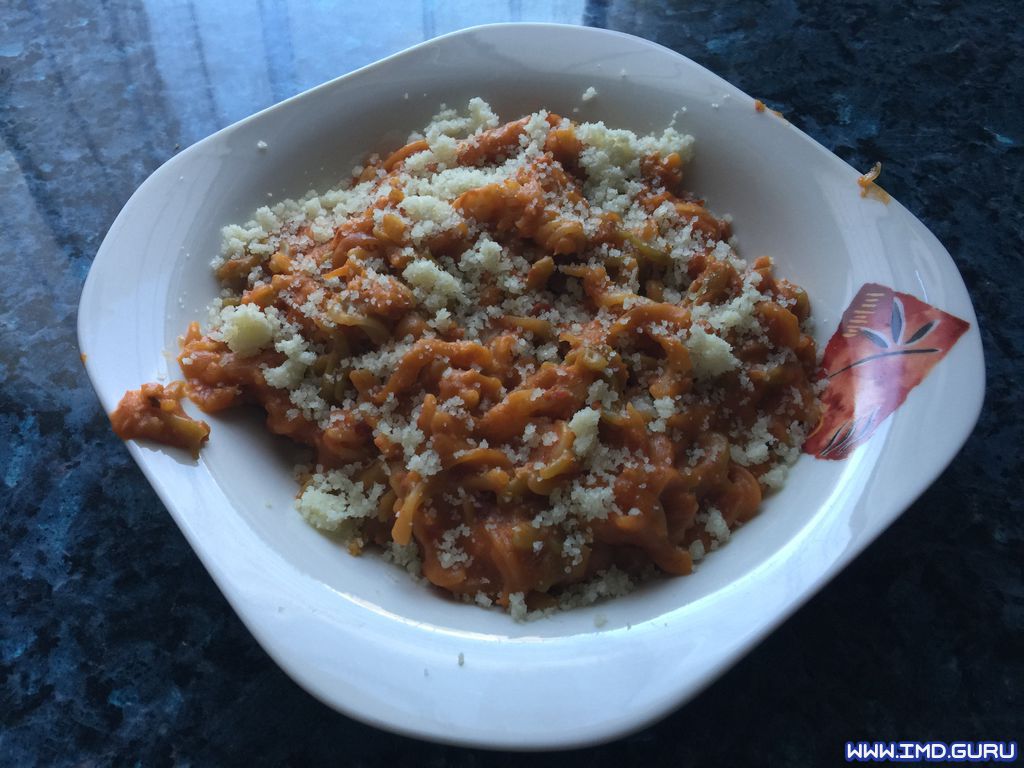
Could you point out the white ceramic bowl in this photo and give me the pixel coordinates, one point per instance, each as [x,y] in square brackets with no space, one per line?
[359,634]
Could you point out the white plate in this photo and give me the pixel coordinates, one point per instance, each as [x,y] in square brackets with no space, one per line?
[360,635]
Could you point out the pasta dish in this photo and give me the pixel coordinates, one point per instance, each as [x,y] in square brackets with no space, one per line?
[528,362]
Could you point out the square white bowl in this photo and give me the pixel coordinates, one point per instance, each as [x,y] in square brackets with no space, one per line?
[361,635]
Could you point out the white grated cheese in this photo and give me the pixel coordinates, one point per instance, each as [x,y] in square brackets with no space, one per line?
[697,550]
[710,355]
[246,329]
[433,286]
[464,294]
[716,526]
[758,447]
[584,424]
[332,499]
[449,554]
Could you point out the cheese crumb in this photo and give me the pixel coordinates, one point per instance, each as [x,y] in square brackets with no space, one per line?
[464,292]
[332,499]
[716,526]
[246,329]
[517,606]
[697,550]
[584,424]
[710,355]
[433,286]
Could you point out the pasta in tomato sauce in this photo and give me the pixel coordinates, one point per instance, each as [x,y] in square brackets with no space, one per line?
[524,356]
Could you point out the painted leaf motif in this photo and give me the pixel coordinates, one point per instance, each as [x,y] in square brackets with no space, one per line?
[869,372]
[876,338]
[897,320]
[923,331]
[834,439]
[840,438]
[851,434]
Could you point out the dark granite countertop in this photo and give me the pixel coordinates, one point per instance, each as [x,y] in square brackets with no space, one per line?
[115,646]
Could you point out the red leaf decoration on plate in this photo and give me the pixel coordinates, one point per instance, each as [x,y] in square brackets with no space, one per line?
[886,344]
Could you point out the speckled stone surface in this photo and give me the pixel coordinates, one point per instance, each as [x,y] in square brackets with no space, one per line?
[115,646]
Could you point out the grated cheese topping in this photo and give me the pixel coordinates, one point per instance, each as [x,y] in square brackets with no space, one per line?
[494,281]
